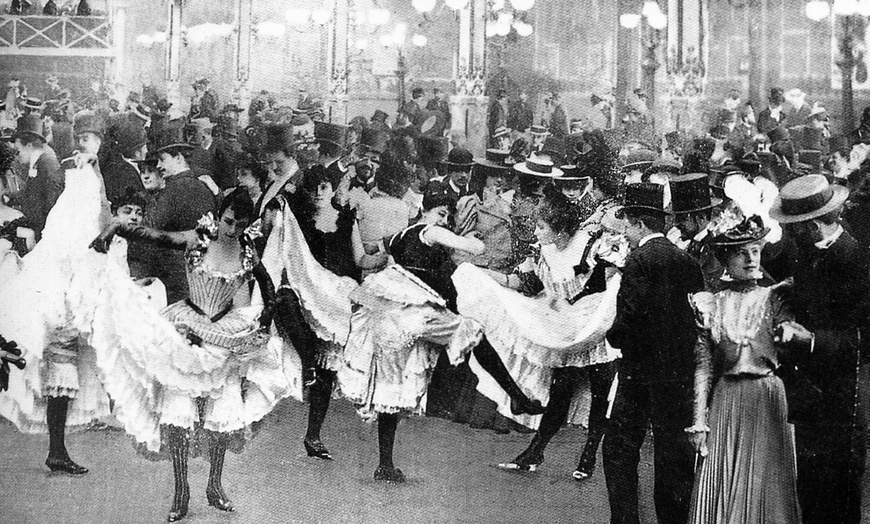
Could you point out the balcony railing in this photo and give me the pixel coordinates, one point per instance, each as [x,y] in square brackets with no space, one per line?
[56,36]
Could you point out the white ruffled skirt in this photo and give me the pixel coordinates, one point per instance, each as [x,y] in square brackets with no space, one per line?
[118,343]
[531,337]
[397,330]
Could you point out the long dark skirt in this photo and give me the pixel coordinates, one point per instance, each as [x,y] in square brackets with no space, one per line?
[750,474]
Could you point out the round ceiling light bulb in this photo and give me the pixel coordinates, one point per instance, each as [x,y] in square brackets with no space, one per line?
[424,6]
[419,40]
[629,20]
[456,4]
[523,5]
[818,10]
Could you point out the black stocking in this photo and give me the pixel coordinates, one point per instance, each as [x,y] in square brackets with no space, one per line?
[387,424]
[292,326]
[489,360]
[319,395]
[55,417]
[179,446]
[601,380]
[562,390]
[216,453]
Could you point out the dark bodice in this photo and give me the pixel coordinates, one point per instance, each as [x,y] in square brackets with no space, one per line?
[9,231]
[431,263]
[334,250]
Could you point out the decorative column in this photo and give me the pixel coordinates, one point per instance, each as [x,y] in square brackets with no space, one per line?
[339,35]
[173,53]
[119,43]
[469,105]
[846,62]
[687,56]
[242,90]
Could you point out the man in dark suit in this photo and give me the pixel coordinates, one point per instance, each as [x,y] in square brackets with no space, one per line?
[178,207]
[655,329]
[122,171]
[774,114]
[497,115]
[824,348]
[412,108]
[692,208]
[439,103]
[44,182]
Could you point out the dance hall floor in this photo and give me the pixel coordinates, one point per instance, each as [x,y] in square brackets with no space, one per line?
[451,470]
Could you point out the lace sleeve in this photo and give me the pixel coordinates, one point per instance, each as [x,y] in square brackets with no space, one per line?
[703,305]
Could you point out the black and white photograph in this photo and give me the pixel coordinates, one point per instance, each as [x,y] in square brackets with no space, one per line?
[434,261]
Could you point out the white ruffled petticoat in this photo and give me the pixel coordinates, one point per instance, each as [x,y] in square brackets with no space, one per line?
[125,347]
[531,337]
[397,331]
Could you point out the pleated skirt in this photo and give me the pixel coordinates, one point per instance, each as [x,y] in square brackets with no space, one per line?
[749,475]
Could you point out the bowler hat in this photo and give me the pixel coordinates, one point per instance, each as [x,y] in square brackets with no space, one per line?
[374,140]
[30,125]
[645,196]
[807,197]
[459,159]
[331,134]
[691,192]
[88,122]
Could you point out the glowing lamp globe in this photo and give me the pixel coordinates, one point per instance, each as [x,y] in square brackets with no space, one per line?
[629,20]
[419,40]
[424,6]
[456,4]
[523,5]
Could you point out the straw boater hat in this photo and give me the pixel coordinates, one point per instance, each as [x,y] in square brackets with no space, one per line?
[691,193]
[501,131]
[33,103]
[495,159]
[538,167]
[806,198]
[539,131]
[572,174]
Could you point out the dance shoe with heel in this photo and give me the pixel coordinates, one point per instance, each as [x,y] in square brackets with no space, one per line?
[389,474]
[65,465]
[179,506]
[527,407]
[218,499]
[315,448]
[528,460]
[584,470]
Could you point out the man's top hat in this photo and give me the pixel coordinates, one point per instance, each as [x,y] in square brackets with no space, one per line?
[151,160]
[331,134]
[459,159]
[170,137]
[30,125]
[279,137]
[645,196]
[806,198]
[129,136]
[374,140]
[640,159]
[663,165]
[200,81]
[555,147]
[431,151]
[379,116]
[691,192]
[538,167]
[777,134]
[89,122]
[202,123]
